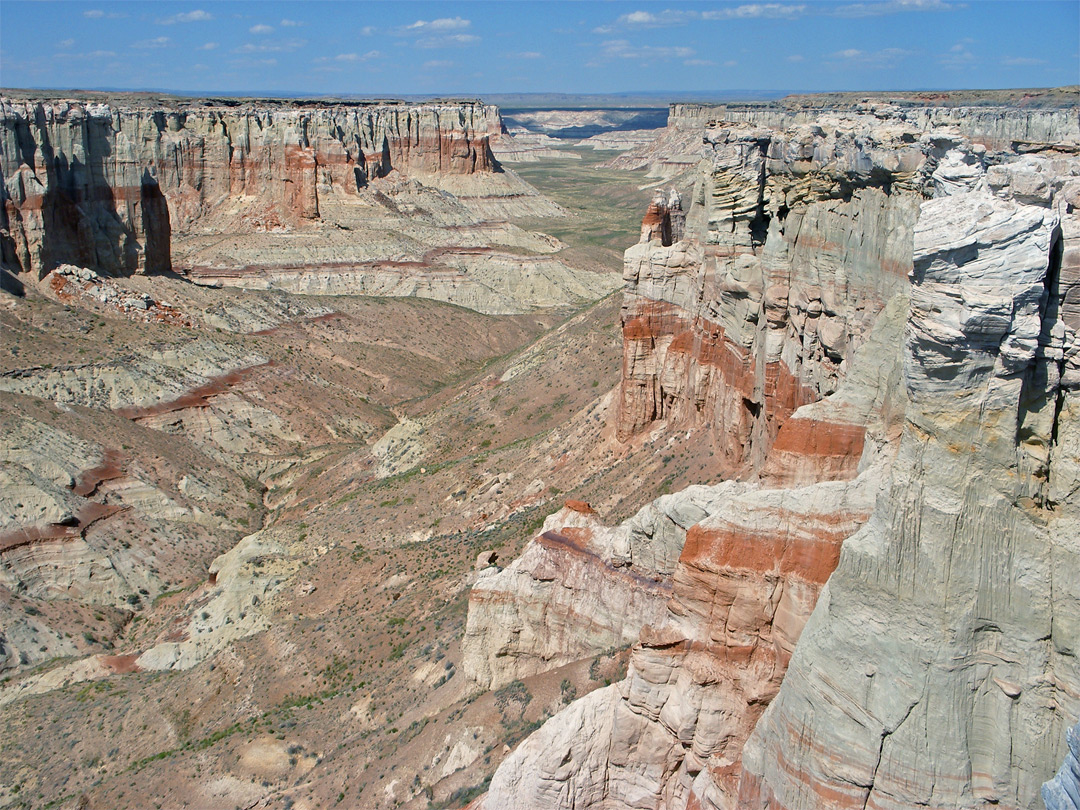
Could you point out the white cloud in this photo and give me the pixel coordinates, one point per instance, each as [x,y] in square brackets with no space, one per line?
[622,49]
[877,9]
[253,62]
[1022,61]
[198,15]
[90,55]
[885,58]
[796,57]
[208,46]
[646,19]
[351,57]
[261,29]
[442,24]
[94,14]
[958,55]
[67,43]
[448,41]
[439,63]
[529,55]
[730,63]
[670,17]
[291,23]
[753,11]
[699,63]
[156,42]
[367,30]
[283,46]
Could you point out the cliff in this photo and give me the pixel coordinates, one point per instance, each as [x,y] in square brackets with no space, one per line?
[753,314]
[878,324]
[104,185]
[1017,120]
[955,598]
[379,198]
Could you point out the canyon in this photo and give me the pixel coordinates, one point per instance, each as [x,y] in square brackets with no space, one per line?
[380,199]
[342,463]
[868,317]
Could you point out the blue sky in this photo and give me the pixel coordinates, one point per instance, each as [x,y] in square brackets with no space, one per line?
[385,49]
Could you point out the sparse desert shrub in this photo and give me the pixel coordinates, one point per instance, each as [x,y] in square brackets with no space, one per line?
[568,691]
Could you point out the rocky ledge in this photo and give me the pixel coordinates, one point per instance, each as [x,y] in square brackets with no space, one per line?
[400,196]
[878,322]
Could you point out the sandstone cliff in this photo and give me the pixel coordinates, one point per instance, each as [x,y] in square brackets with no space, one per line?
[385,199]
[794,242]
[879,323]
[1021,120]
[959,596]
[102,185]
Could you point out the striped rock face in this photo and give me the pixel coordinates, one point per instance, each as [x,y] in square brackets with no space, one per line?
[880,326]
[105,186]
[947,644]
[375,199]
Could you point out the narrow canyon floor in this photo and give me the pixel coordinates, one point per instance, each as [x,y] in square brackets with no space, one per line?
[271,579]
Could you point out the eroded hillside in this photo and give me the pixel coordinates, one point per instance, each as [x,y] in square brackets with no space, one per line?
[242,516]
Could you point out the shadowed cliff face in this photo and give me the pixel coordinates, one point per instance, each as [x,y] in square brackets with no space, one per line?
[364,199]
[794,242]
[879,326]
[103,186]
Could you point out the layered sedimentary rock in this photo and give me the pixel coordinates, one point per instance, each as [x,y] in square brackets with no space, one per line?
[620,141]
[751,561]
[745,584]
[794,242]
[1025,120]
[881,324]
[584,123]
[997,127]
[88,530]
[519,145]
[258,193]
[959,597]
[101,185]
[578,588]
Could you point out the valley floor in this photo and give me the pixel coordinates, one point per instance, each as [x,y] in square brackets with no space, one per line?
[260,597]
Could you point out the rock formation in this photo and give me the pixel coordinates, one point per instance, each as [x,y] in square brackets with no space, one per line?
[955,597]
[1030,120]
[1063,791]
[94,184]
[753,314]
[364,198]
[619,141]
[880,325]
[579,587]
[519,145]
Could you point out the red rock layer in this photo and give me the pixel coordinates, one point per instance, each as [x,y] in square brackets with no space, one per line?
[562,600]
[197,397]
[808,450]
[104,187]
[753,311]
[713,378]
[744,589]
